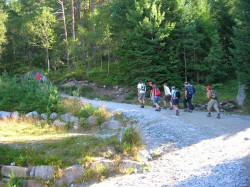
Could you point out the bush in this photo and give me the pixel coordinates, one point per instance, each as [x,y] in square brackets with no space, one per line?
[131,141]
[27,95]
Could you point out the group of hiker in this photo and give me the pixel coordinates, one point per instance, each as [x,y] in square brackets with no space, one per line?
[172,97]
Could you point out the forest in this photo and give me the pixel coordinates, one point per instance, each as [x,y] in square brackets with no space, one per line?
[200,41]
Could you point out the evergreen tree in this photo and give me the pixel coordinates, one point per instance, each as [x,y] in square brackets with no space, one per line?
[241,41]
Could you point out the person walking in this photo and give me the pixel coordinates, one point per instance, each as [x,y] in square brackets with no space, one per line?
[188,97]
[151,93]
[156,96]
[211,94]
[167,96]
[141,89]
[175,97]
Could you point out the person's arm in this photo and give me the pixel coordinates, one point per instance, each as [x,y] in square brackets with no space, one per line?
[208,94]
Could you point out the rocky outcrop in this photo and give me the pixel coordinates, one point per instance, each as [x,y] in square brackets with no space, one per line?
[241,96]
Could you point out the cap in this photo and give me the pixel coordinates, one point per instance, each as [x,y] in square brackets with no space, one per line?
[185,82]
[208,87]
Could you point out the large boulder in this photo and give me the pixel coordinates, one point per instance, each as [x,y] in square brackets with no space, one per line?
[111,125]
[19,172]
[44,172]
[5,115]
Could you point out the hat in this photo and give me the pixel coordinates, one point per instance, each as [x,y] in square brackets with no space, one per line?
[173,87]
[208,87]
[150,83]
[185,82]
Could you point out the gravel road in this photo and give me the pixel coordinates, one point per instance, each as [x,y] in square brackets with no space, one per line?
[197,151]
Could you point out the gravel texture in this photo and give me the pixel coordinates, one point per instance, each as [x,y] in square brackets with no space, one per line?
[196,151]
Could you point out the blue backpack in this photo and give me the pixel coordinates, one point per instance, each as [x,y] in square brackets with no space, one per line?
[190,90]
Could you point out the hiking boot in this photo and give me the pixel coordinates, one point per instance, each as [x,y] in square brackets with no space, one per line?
[185,110]
[218,117]
[209,115]
[177,113]
[164,107]
[158,109]
[142,106]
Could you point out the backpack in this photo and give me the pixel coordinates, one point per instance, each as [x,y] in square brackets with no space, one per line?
[190,90]
[178,94]
[157,92]
[213,94]
[143,87]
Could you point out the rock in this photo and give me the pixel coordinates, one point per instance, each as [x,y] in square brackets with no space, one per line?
[66,117]
[53,115]
[241,96]
[71,175]
[44,116]
[74,120]
[31,115]
[59,123]
[112,125]
[44,172]
[129,166]
[5,115]
[20,172]
[107,165]
[91,120]
[144,155]
[15,116]
[32,183]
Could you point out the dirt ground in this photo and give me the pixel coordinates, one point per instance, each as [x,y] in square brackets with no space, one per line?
[247,165]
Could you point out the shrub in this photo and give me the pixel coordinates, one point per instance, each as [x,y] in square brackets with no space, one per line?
[131,141]
[27,95]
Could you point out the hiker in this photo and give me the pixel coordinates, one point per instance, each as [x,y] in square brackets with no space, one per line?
[38,76]
[175,97]
[167,96]
[188,97]
[141,87]
[156,95]
[211,94]
[151,93]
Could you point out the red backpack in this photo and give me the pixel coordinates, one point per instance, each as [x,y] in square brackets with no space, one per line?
[157,92]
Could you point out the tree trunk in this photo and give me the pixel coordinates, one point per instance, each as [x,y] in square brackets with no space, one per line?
[73,18]
[92,4]
[241,96]
[65,32]
[185,60]
[47,58]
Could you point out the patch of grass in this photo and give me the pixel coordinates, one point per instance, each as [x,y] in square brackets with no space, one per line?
[27,144]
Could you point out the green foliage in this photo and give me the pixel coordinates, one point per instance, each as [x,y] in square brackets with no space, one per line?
[131,141]
[27,95]
[14,181]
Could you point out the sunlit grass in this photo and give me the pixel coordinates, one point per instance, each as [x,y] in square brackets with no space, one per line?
[28,144]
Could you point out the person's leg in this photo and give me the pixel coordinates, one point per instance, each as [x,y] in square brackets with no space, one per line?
[209,106]
[190,105]
[185,104]
[217,109]
[164,101]
[158,108]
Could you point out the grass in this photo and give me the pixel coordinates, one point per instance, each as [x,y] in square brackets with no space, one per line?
[28,144]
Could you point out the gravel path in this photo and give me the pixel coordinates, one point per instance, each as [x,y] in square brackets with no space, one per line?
[197,151]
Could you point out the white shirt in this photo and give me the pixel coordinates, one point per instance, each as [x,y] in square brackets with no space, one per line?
[139,88]
[167,90]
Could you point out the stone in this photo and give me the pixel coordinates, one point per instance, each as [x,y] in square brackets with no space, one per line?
[20,172]
[66,117]
[4,115]
[129,166]
[74,120]
[112,125]
[32,183]
[53,115]
[107,165]
[91,120]
[59,123]
[15,116]
[44,172]
[72,175]
[44,116]
[241,95]
[31,115]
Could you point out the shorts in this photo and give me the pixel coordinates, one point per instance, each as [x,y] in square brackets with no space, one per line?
[175,101]
[212,102]
[156,99]
[141,96]
[167,97]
